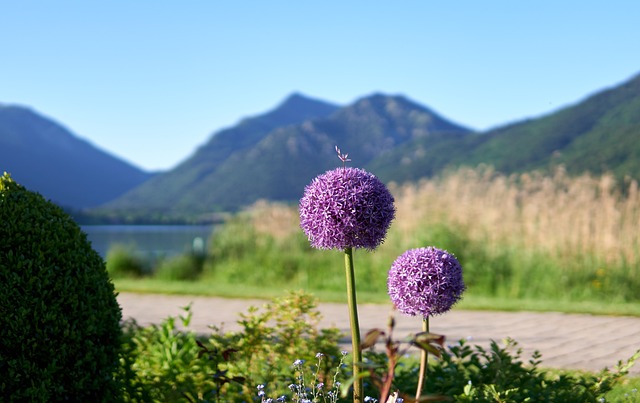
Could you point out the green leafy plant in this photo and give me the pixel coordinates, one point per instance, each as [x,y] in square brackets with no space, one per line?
[122,262]
[271,339]
[59,318]
[471,373]
[181,267]
[382,370]
[476,374]
[169,362]
[163,362]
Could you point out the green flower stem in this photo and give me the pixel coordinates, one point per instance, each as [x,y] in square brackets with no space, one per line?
[423,361]
[355,326]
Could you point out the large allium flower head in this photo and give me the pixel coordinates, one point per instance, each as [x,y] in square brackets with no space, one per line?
[346,208]
[425,281]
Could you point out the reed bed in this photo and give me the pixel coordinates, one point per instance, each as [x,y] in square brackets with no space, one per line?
[559,215]
[528,235]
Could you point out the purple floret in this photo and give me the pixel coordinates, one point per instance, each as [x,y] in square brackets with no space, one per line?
[346,208]
[425,281]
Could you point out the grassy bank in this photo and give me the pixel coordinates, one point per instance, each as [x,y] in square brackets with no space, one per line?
[524,241]
[469,302]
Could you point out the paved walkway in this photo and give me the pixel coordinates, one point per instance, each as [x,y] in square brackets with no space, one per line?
[572,341]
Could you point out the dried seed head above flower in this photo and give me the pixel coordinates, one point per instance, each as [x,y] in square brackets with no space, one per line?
[425,281]
[346,208]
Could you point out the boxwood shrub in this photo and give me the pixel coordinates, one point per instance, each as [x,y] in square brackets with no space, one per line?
[59,318]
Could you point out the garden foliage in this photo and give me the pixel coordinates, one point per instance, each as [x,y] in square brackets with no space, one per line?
[169,362]
[276,346]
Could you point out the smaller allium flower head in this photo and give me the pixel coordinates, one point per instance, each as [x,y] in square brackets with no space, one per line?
[346,208]
[425,281]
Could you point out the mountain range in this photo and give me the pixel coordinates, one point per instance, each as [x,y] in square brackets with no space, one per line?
[274,155]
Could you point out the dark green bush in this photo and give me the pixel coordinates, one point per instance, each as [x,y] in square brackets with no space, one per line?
[180,267]
[59,318]
[122,262]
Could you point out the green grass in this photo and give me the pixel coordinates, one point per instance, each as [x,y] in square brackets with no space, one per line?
[628,390]
[469,301]
[226,290]
[472,302]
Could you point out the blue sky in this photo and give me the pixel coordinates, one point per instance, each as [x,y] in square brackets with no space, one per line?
[150,81]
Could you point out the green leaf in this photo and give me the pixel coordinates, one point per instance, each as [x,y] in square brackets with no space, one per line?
[371,338]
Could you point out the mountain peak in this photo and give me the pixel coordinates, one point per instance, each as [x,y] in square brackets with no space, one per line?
[295,97]
[400,108]
[297,106]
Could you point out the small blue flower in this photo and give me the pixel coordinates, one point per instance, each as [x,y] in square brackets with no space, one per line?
[320,386]
[319,355]
[298,363]
[344,352]
[281,399]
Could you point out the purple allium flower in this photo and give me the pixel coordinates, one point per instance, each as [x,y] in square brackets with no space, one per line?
[425,281]
[346,208]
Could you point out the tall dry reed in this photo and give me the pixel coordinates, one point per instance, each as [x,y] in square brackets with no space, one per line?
[569,218]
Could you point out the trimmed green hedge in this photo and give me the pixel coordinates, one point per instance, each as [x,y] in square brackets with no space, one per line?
[59,319]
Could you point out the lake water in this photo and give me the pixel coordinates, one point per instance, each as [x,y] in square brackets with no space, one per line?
[150,241]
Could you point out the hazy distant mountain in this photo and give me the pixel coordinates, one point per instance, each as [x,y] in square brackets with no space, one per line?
[268,157]
[46,157]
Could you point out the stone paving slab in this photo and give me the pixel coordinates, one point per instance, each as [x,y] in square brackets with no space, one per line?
[571,341]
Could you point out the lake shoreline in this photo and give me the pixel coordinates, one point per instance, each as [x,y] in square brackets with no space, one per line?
[149,241]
